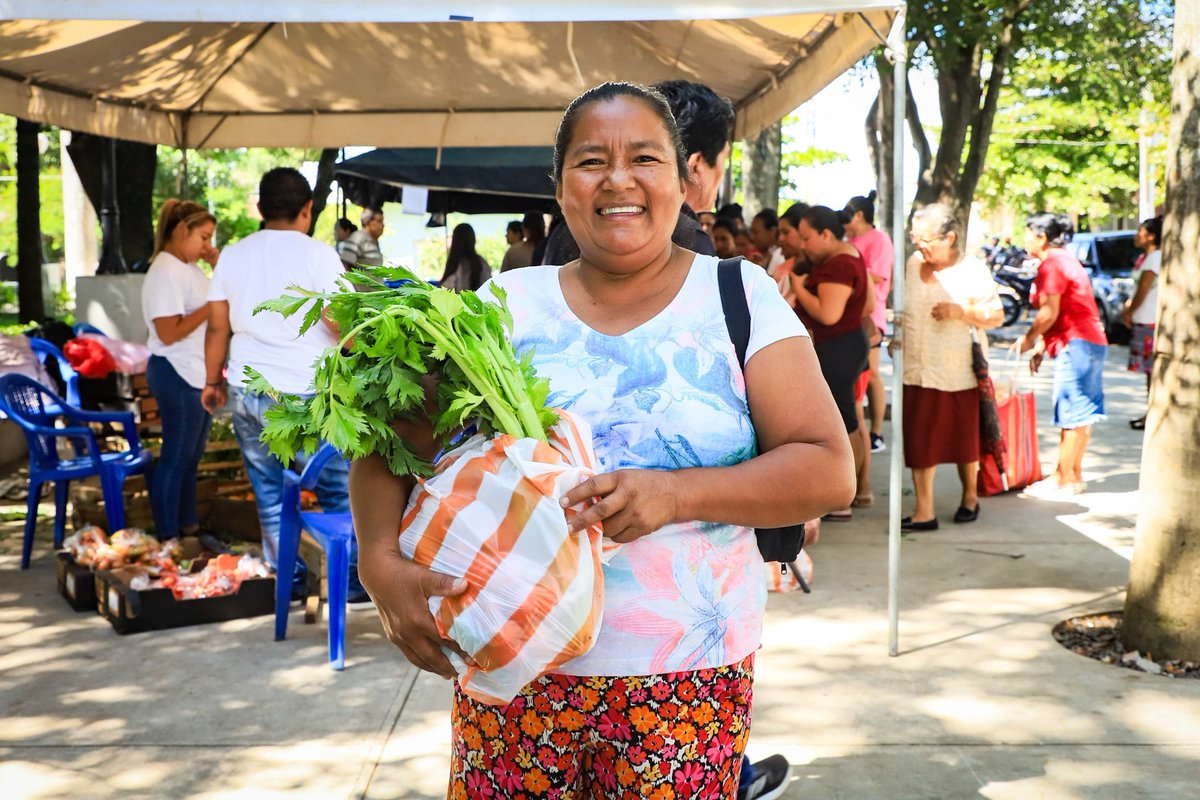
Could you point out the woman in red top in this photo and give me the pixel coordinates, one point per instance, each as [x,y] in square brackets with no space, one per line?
[832,300]
[1068,329]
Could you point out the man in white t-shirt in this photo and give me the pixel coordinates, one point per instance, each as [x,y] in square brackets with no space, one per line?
[261,267]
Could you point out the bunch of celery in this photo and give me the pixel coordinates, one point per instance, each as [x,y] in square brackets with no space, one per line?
[392,339]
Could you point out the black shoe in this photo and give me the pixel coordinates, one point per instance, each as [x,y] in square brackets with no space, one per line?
[1138,424]
[877,443]
[965,514]
[769,781]
[907,524]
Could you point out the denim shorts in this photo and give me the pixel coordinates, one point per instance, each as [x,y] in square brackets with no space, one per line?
[1079,384]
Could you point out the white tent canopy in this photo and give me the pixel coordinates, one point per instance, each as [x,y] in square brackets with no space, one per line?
[232,73]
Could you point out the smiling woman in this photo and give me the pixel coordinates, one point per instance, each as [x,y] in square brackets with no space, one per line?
[632,339]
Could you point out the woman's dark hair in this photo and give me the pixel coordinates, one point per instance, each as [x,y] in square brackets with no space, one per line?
[726,224]
[462,255]
[824,218]
[1153,227]
[534,224]
[611,91]
[282,194]
[864,204]
[768,218]
[345,225]
[515,227]
[1057,228]
[732,211]
[794,214]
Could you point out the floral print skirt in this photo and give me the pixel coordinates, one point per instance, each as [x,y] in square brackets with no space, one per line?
[674,735]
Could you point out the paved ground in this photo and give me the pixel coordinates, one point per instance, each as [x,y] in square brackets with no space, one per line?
[981,703]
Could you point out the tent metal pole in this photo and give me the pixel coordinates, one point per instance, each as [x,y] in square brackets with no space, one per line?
[898,46]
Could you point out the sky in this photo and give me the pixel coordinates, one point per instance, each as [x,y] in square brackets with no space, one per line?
[834,120]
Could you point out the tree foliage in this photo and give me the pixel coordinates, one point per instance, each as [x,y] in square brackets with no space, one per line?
[793,159]
[226,181]
[1066,134]
[1025,57]
[51,191]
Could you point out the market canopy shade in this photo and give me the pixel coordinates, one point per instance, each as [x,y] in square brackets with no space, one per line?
[470,180]
[311,73]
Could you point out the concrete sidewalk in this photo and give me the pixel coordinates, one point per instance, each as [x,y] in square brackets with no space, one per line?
[981,703]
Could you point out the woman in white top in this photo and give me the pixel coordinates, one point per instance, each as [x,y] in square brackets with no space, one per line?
[695,452]
[948,294]
[175,306]
[1141,310]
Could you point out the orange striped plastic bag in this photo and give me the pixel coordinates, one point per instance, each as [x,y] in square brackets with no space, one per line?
[535,592]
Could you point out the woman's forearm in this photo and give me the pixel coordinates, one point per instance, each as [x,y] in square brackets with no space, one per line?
[791,484]
[983,317]
[377,501]
[1143,289]
[173,329]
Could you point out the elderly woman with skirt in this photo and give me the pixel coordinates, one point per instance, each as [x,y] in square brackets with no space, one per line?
[949,294]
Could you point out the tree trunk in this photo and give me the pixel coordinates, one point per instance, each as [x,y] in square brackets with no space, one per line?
[1162,608]
[32,306]
[761,165]
[884,149]
[879,126]
[136,165]
[324,183]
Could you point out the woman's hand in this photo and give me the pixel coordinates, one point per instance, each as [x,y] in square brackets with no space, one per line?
[1038,346]
[629,502]
[401,590]
[944,312]
[214,396]
[211,254]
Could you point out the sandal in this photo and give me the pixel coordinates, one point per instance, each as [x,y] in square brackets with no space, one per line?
[863,501]
[845,515]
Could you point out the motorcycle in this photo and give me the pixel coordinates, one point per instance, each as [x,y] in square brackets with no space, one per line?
[1014,271]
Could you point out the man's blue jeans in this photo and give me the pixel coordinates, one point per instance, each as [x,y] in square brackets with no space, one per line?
[185,426]
[266,471]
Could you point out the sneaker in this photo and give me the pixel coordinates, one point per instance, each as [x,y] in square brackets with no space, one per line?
[770,777]
[877,443]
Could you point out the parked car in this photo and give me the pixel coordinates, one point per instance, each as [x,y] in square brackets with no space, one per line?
[1108,256]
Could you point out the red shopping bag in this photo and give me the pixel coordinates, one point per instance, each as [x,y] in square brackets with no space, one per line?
[1018,423]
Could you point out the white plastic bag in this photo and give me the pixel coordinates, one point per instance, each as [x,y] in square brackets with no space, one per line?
[535,592]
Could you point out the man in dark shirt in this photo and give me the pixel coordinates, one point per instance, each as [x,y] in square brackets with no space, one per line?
[705,123]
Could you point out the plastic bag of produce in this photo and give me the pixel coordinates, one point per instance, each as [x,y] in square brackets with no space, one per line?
[535,592]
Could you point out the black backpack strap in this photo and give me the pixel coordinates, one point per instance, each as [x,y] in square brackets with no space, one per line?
[774,544]
[733,303]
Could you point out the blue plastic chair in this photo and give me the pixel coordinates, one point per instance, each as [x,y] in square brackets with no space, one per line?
[334,532]
[83,327]
[45,351]
[38,410]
